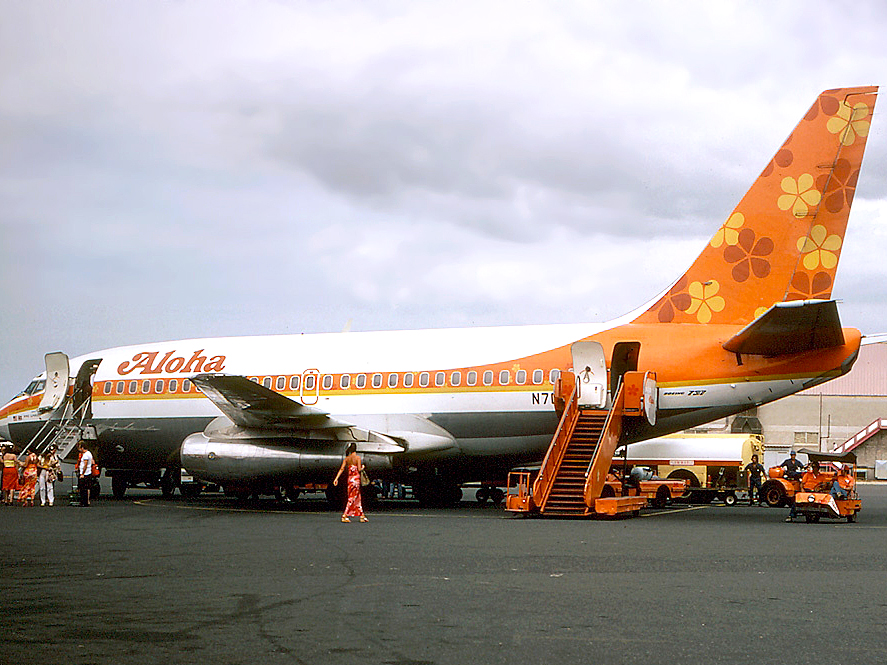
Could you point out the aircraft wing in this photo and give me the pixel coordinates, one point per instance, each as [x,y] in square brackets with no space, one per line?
[790,327]
[253,407]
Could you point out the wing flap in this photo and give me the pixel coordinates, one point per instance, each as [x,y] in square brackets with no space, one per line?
[790,327]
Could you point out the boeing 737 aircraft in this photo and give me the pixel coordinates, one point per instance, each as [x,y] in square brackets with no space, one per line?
[751,321]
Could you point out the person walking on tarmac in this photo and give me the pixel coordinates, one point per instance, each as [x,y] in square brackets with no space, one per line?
[85,477]
[10,474]
[755,472]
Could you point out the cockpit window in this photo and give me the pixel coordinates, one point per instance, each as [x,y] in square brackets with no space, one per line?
[36,386]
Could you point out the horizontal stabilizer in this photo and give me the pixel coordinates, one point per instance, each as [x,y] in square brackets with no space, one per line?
[790,327]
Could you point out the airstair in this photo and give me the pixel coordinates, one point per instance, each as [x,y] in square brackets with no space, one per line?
[572,478]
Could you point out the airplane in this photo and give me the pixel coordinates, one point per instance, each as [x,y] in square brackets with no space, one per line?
[750,321]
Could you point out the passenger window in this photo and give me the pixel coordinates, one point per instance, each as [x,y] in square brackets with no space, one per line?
[267,382]
[327,381]
[408,380]
[361,380]
[377,380]
[146,386]
[173,385]
[472,378]
[281,382]
[295,381]
[455,378]
[521,377]
[423,379]
[392,380]
[504,377]
[488,377]
[553,375]
[186,386]
[439,378]
[132,387]
[310,382]
[345,381]
[538,374]
[119,387]
[158,386]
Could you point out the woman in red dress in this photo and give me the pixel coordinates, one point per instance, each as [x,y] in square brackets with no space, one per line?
[10,475]
[354,465]
[29,481]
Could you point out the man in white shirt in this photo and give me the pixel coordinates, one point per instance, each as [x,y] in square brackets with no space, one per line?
[84,474]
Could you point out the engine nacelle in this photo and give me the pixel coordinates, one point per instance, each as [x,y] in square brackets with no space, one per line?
[240,461]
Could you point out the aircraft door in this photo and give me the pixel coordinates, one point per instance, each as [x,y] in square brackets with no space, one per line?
[309,392]
[57,373]
[590,369]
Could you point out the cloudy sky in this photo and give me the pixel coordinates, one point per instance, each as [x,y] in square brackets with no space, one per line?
[181,169]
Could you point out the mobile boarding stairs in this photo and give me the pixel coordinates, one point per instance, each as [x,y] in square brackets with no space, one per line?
[572,478]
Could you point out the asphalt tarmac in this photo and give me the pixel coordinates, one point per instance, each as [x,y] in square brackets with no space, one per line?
[151,580]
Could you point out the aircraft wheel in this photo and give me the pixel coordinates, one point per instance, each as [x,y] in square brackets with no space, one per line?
[191,490]
[437,493]
[773,494]
[119,483]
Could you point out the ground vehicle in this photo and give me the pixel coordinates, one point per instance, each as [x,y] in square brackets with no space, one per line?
[779,489]
[818,496]
[711,464]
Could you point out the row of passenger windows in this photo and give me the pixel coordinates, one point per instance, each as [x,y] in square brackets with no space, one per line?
[146,386]
[295,383]
[407,380]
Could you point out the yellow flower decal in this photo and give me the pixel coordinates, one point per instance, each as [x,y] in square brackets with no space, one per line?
[760,311]
[799,195]
[819,248]
[728,232]
[850,123]
[704,300]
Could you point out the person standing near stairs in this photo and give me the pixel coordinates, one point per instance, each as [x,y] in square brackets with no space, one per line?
[49,466]
[85,477]
[10,474]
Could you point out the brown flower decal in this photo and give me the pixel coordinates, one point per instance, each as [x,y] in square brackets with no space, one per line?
[810,288]
[782,159]
[676,299]
[747,255]
[828,105]
[839,186]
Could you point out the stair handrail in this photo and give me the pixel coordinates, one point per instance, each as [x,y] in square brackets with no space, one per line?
[599,465]
[557,448]
[52,429]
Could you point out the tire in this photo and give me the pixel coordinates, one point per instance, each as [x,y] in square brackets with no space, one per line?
[191,490]
[685,474]
[119,483]
[773,494]
[482,495]
[608,492]
[497,496]
[661,498]
[851,518]
[730,499]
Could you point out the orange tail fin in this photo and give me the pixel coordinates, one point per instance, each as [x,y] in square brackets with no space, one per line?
[784,239]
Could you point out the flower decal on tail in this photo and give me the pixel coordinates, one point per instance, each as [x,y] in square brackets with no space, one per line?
[676,300]
[850,122]
[799,195]
[838,186]
[819,249]
[748,255]
[729,231]
[810,287]
[704,300]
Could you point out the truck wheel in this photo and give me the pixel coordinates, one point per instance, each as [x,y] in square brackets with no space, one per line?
[661,498]
[730,499]
[482,495]
[773,494]
[118,485]
[497,496]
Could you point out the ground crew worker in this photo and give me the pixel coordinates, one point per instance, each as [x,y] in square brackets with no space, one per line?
[793,468]
[755,472]
[84,474]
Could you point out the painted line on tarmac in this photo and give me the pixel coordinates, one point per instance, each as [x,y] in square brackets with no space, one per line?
[674,510]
